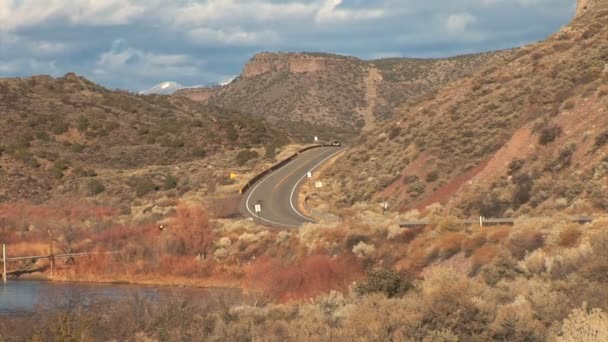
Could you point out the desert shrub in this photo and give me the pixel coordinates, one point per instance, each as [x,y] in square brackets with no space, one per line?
[144,186]
[170,182]
[600,140]
[95,187]
[584,325]
[563,160]
[504,266]
[190,231]
[363,250]
[517,321]
[306,278]
[549,134]
[432,176]
[352,240]
[525,240]
[389,282]
[450,224]
[26,157]
[522,192]
[232,133]
[59,127]
[77,148]
[244,156]
[416,189]
[450,244]
[199,152]
[472,243]
[394,132]
[172,142]
[82,172]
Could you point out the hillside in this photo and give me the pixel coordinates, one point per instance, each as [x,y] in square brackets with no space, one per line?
[70,137]
[304,91]
[516,137]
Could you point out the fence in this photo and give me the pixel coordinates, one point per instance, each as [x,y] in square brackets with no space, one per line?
[488,222]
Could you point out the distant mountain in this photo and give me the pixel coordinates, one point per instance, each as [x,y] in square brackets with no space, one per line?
[313,91]
[165,88]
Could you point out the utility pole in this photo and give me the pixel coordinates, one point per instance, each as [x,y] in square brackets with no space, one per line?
[4,263]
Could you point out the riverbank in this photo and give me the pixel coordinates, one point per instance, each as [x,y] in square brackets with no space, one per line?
[180,282]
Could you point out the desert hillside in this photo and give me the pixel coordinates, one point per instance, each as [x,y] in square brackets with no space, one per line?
[518,136]
[344,94]
[68,136]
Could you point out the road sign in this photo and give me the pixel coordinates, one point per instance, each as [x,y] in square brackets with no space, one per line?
[258,208]
[319,185]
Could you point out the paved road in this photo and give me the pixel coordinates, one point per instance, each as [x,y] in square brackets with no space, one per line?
[277,193]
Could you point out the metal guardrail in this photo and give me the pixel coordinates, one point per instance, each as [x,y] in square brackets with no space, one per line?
[277,166]
[487,222]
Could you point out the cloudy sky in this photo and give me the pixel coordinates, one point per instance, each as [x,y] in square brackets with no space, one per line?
[135,44]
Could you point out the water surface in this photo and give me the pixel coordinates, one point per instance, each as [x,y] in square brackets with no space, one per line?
[25,296]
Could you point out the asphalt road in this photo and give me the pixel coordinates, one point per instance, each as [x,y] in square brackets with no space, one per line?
[277,193]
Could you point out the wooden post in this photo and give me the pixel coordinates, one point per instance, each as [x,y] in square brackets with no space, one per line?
[52,257]
[4,263]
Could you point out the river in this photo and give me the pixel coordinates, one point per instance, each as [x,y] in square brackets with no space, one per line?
[25,296]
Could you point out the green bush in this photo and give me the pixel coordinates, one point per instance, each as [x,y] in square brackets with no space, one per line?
[387,281]
[232,133]
[77,148]
[199,152]
[549,134]
[432,176]
[95,187]
[144,186]
[81,172]
[170,182]
[244,156]
[600,141]
[59,127]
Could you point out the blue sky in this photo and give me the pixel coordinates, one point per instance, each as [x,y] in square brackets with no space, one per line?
[135,44]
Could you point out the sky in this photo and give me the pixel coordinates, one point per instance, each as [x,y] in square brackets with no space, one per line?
[136,44]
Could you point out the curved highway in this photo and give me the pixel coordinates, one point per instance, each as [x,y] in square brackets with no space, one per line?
[277,193]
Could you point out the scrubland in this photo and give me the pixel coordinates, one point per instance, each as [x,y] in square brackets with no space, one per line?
[363,279]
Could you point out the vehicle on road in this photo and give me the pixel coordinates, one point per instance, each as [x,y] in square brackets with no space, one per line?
[336,143]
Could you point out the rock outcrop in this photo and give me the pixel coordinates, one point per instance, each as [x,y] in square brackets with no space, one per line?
[584,6]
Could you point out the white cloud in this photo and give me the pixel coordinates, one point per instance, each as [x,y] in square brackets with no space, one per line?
[130,62]
[35,66]
[330,12]
[16,14]
[234,36]
[459,22]
[221,12]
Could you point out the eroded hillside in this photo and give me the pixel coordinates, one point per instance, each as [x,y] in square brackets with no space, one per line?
[527,134]
[303,90]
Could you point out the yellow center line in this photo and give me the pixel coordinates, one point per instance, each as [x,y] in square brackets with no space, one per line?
[284,179]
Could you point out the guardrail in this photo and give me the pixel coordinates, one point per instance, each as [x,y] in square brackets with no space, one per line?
[488,222]
[277,166]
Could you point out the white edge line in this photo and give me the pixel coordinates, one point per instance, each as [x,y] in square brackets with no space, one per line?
[300,181]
